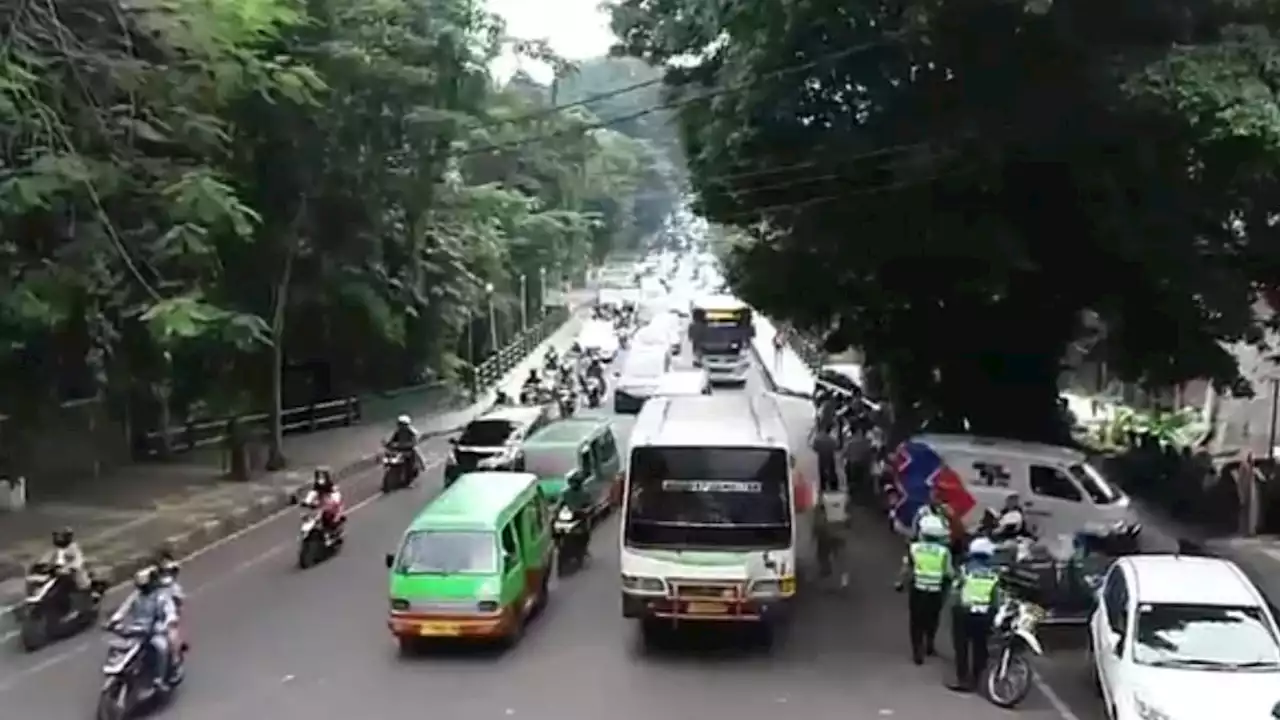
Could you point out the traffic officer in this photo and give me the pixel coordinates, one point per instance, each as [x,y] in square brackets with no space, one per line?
[927,567]
[975,598]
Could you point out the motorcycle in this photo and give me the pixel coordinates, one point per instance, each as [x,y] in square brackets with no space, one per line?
[595,391]
[316,541]
[130,685]
[398,470]
[54,607]
[571,538]
[529,394]
[1008,676]
[568,403]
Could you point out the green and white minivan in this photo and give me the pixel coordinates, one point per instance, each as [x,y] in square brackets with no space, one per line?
[474,563]
[584,443]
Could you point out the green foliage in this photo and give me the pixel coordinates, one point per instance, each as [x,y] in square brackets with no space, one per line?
[955,184]
[193,193]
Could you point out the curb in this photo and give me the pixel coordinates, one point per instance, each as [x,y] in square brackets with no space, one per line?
[190,541]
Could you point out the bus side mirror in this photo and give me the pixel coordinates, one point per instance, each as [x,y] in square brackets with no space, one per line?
[390,560]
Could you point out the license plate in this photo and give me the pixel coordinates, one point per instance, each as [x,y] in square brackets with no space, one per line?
[439,630]
[698,608]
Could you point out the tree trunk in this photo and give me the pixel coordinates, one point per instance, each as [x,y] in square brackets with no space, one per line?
[276,459]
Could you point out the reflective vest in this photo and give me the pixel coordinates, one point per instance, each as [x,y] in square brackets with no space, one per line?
[929,563]
[978,590]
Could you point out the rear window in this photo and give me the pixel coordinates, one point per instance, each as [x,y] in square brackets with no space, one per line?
[550,463]
[448,553]
[487,433]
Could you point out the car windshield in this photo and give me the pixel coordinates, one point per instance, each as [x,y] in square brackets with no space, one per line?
[486,433]
[550,462]
[448,553]
[1212,637]
[1099,489]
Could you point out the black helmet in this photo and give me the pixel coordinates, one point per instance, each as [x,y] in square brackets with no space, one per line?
[145,579]
[63,537]
[165,563]
[323,481]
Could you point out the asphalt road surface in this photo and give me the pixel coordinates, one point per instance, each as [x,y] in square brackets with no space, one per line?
[271,641]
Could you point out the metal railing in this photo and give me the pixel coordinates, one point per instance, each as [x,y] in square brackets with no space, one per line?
[342,412]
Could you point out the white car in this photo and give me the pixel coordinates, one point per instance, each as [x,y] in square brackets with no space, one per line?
[599,336]
[638,379]
[1183,638]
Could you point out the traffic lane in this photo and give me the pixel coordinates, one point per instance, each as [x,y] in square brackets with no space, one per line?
[259,628]
[212,563]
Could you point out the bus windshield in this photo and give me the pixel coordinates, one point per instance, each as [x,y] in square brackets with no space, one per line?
[691,497]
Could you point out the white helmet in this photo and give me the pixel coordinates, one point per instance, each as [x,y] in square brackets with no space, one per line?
[981,548]
[932,527]
[1010,519]
[404,420]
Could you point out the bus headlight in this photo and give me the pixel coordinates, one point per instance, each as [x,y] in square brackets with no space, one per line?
[643,585]
[782,587]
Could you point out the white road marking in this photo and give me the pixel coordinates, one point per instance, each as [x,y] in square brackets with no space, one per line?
[1059,705]
[13,679]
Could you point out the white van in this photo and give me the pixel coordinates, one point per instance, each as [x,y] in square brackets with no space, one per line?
[1061,491]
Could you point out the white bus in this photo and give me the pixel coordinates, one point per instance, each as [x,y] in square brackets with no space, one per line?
[709,513]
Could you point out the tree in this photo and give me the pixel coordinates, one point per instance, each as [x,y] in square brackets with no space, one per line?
[222,208]
[963,181]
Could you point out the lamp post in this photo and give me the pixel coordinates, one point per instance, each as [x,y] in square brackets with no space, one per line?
[524,303]
[493,318]
[542,290]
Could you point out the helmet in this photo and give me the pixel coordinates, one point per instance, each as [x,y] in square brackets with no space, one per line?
[981,549]
[323,481]
[932,527]
[165,564]
[404,420]
[145,580]
[62,537]
[533,373]
[1010,519]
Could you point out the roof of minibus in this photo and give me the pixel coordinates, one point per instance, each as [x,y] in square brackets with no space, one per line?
[717,420]
[719,302]
[476,501]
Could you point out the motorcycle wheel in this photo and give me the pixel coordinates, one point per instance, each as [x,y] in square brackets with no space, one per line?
[310,552]
[388,481]
[113,701]
[1008,679]
[34,633]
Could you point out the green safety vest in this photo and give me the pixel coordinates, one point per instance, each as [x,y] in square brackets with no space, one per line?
[929,563]
[978,590]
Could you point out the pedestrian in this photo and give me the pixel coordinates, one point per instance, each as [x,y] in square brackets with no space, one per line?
[779,342]
[975,597]
[825,446]
[828,539]
[926,574]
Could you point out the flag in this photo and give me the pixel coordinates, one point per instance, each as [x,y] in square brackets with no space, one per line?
[918,471]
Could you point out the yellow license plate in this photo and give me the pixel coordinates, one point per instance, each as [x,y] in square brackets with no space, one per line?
[439,630]
[697,608]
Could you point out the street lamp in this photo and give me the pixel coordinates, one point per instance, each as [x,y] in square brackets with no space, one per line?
[524,303]
[493,318]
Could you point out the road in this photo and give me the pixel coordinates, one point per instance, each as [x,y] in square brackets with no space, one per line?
[269,640]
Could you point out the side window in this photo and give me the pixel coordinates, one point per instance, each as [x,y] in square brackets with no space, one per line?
[1051,482]
[1115,595]
[585,460]
[510,544]
[531,521]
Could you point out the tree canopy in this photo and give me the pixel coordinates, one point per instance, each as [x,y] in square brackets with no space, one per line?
[956,185]
[195,194]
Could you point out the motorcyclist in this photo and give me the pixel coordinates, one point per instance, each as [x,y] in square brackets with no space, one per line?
[550,359]
[576,499]
[325,497]
[67,555]
[532,387]
[502,399]
[594,369]
[404,439]
[167,567]
[148,610]
[1012,521]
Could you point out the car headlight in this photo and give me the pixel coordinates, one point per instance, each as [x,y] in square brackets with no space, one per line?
[773,588]
[1148,712]
[644,585]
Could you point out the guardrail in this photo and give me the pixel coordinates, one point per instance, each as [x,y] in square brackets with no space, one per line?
[340,412]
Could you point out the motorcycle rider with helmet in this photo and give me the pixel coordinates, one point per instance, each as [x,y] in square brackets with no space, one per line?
[578,501]
[67,550]
[325,497]
[531,391]
[167,576]
[404,439]
[1012,521]
[150,610]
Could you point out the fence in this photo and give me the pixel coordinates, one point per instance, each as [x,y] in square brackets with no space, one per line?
[342,412]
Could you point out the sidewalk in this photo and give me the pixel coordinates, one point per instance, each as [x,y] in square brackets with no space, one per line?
[121,519]
[783,370]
